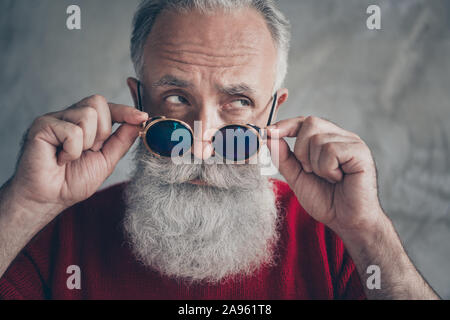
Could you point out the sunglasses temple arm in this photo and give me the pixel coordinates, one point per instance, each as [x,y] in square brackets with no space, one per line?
[139,96]
[275,98]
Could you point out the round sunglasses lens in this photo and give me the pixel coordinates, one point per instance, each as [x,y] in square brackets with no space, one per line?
[236,143]
[164,136]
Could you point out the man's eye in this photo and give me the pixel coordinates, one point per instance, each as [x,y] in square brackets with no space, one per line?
[177,100]
[241,103]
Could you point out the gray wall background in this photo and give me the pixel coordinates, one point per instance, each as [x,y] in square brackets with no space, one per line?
[392,87]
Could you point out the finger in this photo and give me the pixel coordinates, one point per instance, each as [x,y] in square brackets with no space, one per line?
[109,113]
[118,144]
[104,122]
[316,144]
[284,159]
[125,114]
[339,158]
[103,117]
[286,128]
[290,128]
[302,128]
[59,133]
[86,119]
[328,164]
[310,127]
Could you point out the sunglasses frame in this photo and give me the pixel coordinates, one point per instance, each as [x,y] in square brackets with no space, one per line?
[150,123]
[154,120]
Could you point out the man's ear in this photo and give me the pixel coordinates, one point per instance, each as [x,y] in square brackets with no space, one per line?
[133,86]
[283,95]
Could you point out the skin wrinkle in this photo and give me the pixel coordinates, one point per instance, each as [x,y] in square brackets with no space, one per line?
[246,51]
[204,64]
[188,53]
[195,63]
[199,30]
[198,56]
[241,51]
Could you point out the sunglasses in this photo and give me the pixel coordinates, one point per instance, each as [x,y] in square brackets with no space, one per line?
[166,137]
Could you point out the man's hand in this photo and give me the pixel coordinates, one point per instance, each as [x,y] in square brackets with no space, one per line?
[65,158]
[67,155]
[333,175]
[331,171]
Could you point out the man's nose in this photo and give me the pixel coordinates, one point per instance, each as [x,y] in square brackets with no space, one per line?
[205,126]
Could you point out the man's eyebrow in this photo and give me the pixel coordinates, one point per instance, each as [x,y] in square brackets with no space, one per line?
[237,89]
[232,90]
[171,81]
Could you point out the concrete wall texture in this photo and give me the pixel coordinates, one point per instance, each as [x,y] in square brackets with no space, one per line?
[392,87]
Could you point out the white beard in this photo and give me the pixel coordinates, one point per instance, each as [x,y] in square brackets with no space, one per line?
[227,229]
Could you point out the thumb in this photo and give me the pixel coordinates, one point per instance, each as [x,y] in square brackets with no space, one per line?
[284,159]
[119,143]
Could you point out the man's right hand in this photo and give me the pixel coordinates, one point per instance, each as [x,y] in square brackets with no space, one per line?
[67,155]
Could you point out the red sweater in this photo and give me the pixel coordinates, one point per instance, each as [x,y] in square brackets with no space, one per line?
[313,263]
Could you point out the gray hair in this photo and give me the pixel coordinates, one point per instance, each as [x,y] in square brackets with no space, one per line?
[149,10]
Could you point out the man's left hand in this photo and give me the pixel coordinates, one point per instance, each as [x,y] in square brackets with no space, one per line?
[331,171]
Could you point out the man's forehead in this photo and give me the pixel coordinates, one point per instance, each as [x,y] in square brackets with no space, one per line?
[222,39]
[233,50]
[241,30]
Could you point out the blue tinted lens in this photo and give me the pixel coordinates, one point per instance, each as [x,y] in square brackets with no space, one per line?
[164,136]
[236,143]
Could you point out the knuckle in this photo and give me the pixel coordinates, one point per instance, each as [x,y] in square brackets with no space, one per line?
[305,161]
[39,124]
[97,99]
[39,121]
[364,145]
[103,134]
[327,163]
[74,106]
[104,127]
[366,150]
[357,137]
[300,118]
[76,132]
[317,139]
[300,153]
[89,113]
[301,156]
[312,121]
[330,148]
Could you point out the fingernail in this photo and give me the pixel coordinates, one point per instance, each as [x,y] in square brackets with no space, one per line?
[141,114]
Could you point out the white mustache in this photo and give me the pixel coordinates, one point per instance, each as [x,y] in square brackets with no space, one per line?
[223,176]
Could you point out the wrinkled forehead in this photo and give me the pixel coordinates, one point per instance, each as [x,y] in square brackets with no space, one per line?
[225,40]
